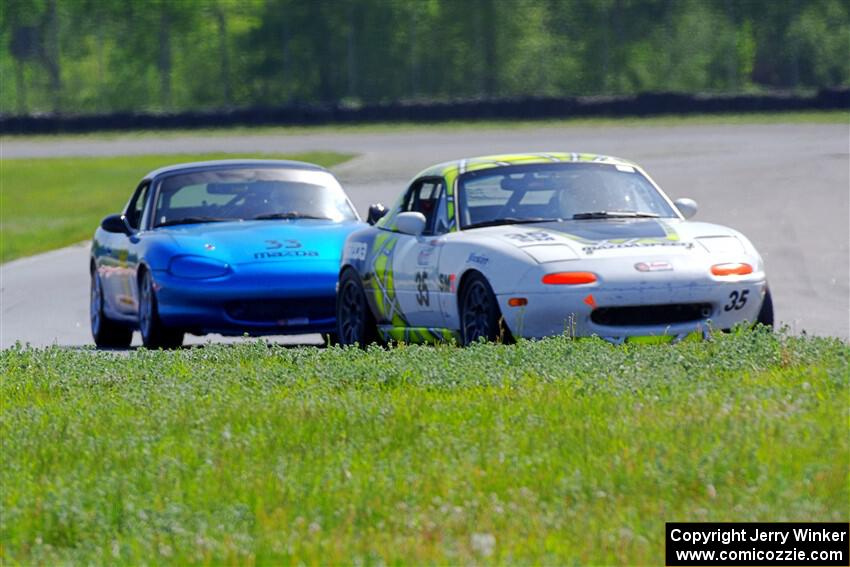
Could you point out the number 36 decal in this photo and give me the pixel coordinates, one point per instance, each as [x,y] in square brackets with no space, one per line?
[737,300]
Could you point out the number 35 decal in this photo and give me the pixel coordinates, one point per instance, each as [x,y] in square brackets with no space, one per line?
[737,300]
[422,295]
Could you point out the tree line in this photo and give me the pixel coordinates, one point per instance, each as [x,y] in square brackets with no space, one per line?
[89,56]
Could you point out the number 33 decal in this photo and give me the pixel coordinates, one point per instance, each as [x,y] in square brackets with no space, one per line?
[737,300]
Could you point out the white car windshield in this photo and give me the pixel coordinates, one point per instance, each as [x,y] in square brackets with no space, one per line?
[557,191]
[250,194]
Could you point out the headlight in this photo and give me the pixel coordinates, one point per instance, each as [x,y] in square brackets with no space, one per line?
[722,245]
[543,253]
[197,267]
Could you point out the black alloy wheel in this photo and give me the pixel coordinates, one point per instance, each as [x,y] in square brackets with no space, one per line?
[105,332]
[154,333]
[479,313]
[765,316]
[355,323]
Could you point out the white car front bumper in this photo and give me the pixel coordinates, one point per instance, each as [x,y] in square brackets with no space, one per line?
[618,311]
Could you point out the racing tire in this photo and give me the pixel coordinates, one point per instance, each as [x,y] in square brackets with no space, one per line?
[105,332]
[154,333]
[355,322]
[479,313]
[765,316]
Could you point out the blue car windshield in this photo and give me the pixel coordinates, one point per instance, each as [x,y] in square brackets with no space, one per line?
[262,193]
[557,191]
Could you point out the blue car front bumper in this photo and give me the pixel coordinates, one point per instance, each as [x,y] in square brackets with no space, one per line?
[261,298]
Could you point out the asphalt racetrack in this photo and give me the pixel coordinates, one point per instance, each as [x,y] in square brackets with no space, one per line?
[787,187]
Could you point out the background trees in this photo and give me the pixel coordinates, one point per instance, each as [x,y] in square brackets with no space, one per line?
[163,55]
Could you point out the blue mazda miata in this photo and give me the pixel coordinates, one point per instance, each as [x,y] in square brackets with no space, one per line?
[229,247]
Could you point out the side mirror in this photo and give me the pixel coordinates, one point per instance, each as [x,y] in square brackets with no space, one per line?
[116,224]
[376,212]
[410,223]
[688,207]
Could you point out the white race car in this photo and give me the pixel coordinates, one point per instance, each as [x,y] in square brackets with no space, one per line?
[535,245]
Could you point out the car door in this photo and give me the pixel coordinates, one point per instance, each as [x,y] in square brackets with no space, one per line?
[416,262]
[125,251]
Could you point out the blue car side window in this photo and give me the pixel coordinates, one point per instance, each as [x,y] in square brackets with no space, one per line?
[136,208]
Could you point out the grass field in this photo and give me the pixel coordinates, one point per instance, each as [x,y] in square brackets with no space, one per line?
[553,452]
[802,117]
[52,202]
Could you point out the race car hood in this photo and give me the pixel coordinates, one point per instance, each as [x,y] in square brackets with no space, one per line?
[600,238]
[242,242]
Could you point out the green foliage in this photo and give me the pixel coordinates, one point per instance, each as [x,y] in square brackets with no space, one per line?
[549,452]
[52,202]
[107,55]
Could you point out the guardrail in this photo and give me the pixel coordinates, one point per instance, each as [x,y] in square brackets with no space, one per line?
[526,108]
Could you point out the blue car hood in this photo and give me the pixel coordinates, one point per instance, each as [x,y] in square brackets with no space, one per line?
[243,242]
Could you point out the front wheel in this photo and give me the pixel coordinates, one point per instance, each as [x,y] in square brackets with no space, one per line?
[355,323]
[766,312]
[105,332]
[154,333]
[479,313]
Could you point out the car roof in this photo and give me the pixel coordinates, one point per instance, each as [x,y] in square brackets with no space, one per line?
[222,163]
[459,166]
